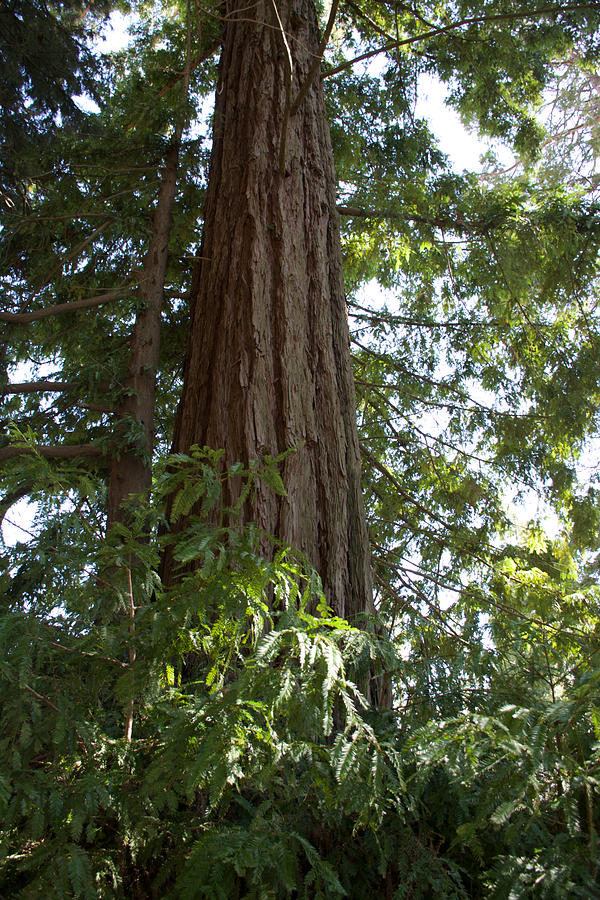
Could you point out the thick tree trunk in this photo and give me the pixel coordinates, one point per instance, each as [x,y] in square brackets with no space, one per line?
[268,363]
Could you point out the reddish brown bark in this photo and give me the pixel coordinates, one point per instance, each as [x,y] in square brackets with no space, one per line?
[268,363]
[131,470]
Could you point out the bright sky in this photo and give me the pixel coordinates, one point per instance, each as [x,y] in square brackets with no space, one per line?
[464,148]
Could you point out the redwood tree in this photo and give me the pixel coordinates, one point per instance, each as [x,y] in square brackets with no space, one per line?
[264,773]
[268,364]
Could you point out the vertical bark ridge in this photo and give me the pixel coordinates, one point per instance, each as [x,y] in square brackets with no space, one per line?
[268,362]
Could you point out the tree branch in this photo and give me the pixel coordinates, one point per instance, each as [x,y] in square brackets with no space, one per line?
[59,308]
[456,225]
[316,65]
[194,65]
[55,708]
[11,498]
[363,15]
[410,498]
[41,698]
[73,253]
[67,451]
[33,387]
[110,659]
[132,654]
[472,20]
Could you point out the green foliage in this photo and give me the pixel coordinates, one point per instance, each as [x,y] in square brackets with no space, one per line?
[256,767]
[232,724]
[45,61]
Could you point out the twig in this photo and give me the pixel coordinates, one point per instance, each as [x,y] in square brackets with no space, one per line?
[41,698]
[116,662]
[129,718]
[289,72]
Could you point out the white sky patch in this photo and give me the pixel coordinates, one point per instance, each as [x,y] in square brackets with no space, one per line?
[17,525]
[464,147]
[531,506]
[115,35]
[86,104]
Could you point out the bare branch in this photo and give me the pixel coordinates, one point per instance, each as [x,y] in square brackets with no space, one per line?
[457,225]
[41,698]
[34,387]
[66,451]
[316,65]
[59,308]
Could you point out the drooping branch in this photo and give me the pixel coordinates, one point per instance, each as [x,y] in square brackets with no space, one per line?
[59,308]
[387,474]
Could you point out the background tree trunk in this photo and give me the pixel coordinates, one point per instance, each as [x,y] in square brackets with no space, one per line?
[131,471]
[268,363]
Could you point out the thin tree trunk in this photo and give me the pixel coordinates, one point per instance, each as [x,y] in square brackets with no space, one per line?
[268,362]
[131,471]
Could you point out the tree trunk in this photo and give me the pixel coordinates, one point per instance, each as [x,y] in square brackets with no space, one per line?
[131,471]
[268,363]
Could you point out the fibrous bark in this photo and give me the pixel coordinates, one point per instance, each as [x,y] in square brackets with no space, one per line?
[268,363]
